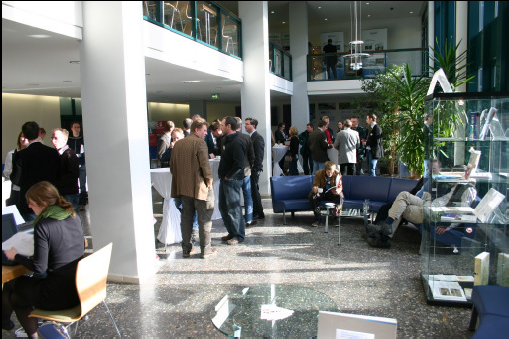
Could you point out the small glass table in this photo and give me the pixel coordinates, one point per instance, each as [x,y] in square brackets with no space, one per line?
[271,311]
[344,213]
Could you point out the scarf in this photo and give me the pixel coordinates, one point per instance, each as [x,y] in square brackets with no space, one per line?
[54,212]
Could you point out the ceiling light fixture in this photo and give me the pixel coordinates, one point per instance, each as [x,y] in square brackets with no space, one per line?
[39,36]
[272,12]
[356,54]
[191,81]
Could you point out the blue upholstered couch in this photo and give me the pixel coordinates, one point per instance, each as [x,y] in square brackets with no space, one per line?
[491,306]
[290,193]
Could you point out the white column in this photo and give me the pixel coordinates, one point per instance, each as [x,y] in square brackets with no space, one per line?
[116,139]
[462,34]
[255,90]
[299,50]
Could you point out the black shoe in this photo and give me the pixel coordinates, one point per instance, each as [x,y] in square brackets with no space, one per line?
[378,242]
[258,216]
[7,325]
[386,229]
[374,229]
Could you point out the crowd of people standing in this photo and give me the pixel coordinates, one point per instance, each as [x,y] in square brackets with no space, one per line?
[353,143]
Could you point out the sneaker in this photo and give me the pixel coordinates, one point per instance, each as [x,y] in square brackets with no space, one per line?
[227,237]
[232,241]
[212,253]
[316,223]
[252,223]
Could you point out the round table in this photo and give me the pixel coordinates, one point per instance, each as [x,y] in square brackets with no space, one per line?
[169,232]
[271,311]
[279,152]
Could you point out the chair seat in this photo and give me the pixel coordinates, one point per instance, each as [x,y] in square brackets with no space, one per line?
[489,299]
[67,316]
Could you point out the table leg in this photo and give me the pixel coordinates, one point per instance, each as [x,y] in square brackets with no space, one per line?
[339,230]
[327,223]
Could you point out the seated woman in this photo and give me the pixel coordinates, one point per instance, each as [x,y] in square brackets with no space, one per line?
[58,246]
[329,181]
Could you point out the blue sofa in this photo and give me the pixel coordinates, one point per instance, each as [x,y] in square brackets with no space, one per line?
[290,193]
[490,305]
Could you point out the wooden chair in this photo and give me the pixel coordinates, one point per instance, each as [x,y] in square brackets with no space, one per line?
[91,276]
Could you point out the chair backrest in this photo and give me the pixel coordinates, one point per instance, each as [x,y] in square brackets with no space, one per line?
[91,276]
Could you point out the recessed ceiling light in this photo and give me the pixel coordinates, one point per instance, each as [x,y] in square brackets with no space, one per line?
[39,36]
[326,19]
[411,12]
[284,22]
[190,81]
[76,62]
[369,15]
[367,3]
[319,7]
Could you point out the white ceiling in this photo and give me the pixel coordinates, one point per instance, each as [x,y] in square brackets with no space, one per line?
[44,66]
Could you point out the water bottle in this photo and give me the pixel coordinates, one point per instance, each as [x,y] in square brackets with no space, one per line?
[365,207]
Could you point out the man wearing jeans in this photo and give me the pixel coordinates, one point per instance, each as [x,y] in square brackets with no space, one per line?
[231,174]
[246,182]
[192,183]
[374,147]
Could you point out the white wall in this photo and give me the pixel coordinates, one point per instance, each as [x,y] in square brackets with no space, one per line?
[160,111]
[20,108]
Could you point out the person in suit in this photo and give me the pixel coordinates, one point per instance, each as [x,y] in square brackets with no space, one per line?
[76,143]
[69,168]
[374,146]
[259,152]
[363,134]
[307,160]
[217,133]
[347,142]
[319,146]
[36,163]
[164,144]
[192,183]
[328,131]
[186,126]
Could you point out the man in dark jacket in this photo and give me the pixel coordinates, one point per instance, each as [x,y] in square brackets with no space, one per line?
[67,184]
[374,147]
[259,151]
[319,146]
[231,175]
[37,163]
[76,143]
[305,151]
[363,134]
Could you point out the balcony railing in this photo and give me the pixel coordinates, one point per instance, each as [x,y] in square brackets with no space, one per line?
[280,62]
[376,63]
[203,21]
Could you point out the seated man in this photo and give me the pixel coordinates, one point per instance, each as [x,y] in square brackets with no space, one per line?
[410,207]
[329,180]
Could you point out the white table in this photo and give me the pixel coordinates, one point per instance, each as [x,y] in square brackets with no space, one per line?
[214,166]
[169,232]
[279,152]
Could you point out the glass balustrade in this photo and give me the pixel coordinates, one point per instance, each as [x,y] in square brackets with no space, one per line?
[280,62]
[204,21]
[376,63]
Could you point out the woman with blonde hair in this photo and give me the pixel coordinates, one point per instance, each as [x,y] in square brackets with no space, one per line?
[58,247]
[294,151]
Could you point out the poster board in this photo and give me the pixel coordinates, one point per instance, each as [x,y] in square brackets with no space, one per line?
[337,40]
[374,39]
[340,325]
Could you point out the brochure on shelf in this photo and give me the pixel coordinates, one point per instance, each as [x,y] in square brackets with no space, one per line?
[481,268]
[447,290]
[330,324]
[487,122]
[483,210]
[503,269]
[473,162]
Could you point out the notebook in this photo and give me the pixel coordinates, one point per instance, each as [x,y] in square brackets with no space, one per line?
[8,230]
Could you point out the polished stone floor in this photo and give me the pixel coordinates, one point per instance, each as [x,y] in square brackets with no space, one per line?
[358,278]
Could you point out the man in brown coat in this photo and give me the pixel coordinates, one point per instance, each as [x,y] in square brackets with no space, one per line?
[192,183]
[326,186]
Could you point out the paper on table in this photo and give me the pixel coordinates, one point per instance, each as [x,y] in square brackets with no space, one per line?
[22,242]
[273,312]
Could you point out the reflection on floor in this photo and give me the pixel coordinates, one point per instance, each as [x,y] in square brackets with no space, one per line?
[360,279]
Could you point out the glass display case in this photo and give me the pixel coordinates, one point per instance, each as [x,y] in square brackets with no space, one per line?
[465,238]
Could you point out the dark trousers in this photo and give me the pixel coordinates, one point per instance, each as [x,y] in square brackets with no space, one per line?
[315,199]
[190,205]
[255,194]
[229,206]
[331,65]
[358,167]
[347,168]
[307,164]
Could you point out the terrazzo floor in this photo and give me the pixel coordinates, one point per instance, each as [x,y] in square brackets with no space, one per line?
[358,278]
